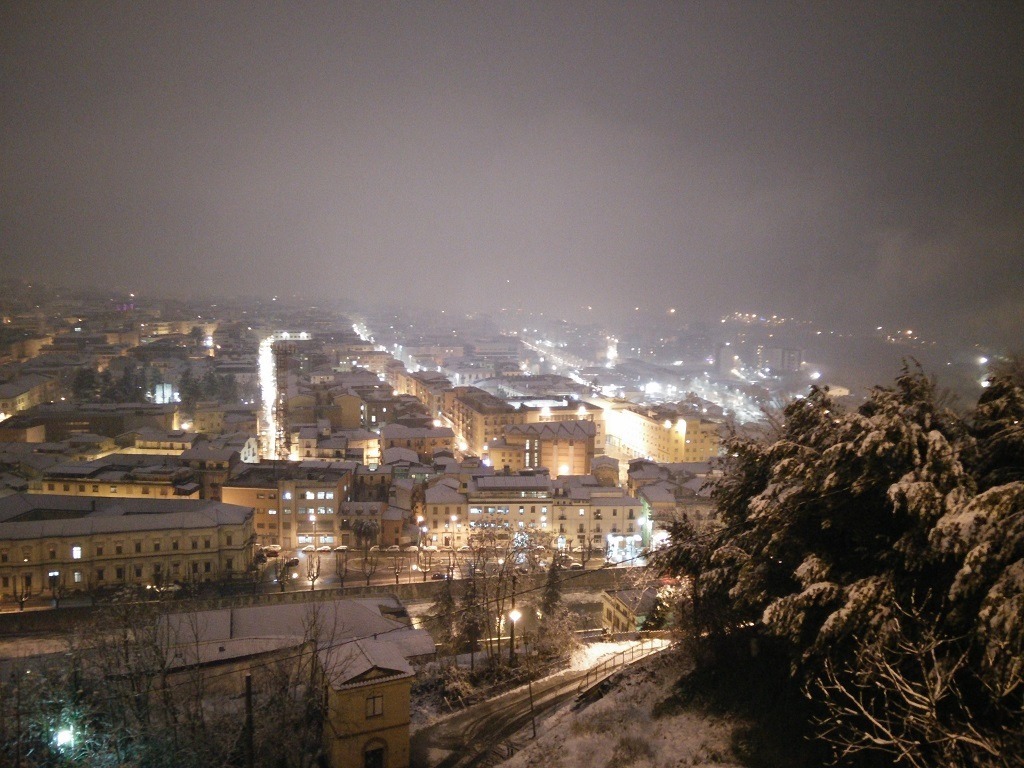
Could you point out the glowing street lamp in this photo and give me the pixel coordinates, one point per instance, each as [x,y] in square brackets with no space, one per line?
[65,738]
[514,615]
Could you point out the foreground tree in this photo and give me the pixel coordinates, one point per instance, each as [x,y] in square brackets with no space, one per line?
[836,529]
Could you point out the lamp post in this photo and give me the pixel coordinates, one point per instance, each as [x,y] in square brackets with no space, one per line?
[514,616]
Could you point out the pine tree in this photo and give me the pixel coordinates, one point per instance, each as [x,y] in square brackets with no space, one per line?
[551,597]
[857,545]
[472,619]
[441,621]
[998,426]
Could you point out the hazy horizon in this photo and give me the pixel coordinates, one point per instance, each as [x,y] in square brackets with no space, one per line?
[851,164]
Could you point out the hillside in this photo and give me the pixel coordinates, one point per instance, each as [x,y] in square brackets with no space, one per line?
[635,723]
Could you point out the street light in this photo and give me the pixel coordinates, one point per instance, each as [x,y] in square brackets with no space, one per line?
[514,615]
[65,738]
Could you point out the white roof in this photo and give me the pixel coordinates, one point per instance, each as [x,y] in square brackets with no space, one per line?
[33,516]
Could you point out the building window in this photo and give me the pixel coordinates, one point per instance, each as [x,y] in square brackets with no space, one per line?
[206,543]
[206,567]
[78,577]
[228,539]
[229,563]
[174,544]
[76,553]
[374,705]
[99,574]
[138,546]
[156,546]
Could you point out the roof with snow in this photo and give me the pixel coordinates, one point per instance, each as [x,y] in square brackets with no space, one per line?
[32,516]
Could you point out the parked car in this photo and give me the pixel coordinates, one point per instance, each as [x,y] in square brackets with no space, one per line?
[291,562]
[308,548]
[394,548]
[438,576]
[574,566]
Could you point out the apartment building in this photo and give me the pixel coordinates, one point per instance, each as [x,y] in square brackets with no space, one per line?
[425,441]
[572,514]
[24,392]
[662,435]
[81,544]
[295,504]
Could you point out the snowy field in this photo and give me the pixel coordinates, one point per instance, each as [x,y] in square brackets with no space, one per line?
[624,729]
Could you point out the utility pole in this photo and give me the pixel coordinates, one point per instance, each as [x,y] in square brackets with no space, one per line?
[249,749]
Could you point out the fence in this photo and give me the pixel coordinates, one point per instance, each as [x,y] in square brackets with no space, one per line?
[615,662]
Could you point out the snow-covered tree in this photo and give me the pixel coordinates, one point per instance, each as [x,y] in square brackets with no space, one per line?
[846,522]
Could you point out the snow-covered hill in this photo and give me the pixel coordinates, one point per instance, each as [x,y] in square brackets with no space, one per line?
[635,724]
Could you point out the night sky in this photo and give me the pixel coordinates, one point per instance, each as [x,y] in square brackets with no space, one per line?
[849,163]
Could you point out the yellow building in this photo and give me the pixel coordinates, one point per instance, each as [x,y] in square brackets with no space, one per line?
[363,658]
[285,494]
[77,544]
[119,477]
[479,417]
[368,691]
[25,392]
[425,441]
[662,435]
[563,447]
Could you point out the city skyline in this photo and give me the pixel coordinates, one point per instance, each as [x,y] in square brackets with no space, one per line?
[849,164]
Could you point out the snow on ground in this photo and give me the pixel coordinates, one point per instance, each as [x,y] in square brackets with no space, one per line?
[591,654]
[623,729]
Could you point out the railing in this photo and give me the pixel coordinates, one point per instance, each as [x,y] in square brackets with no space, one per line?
[612,664]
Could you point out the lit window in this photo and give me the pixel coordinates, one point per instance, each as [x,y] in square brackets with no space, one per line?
[271,511]
[76,553]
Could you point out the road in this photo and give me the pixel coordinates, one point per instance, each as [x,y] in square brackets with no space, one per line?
[466,739]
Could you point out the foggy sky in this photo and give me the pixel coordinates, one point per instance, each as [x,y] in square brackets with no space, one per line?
[857,163]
